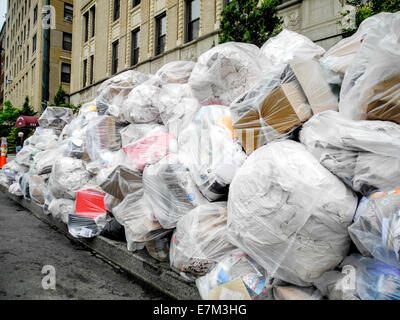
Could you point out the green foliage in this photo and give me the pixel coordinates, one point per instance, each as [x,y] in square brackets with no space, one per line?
[246,21]
[59,98]
[365,9]
[27,109]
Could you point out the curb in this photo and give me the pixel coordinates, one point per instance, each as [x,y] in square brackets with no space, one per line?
[139,264]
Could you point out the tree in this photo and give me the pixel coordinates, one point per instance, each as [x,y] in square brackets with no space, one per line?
[365,9]
[8,117]
[27,109]
[59,98]
[246,21]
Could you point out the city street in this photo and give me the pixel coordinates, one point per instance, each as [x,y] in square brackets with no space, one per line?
[28,244]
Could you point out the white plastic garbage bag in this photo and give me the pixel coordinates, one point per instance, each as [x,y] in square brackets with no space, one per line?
[371,85]
[55,117]
[225,72]
[61,208]
[200,240]
[208,148]
[289,213]
[175,71]
[171,191]
[364,154]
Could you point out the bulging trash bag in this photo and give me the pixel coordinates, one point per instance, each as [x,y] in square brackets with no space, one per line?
[134,132]
[113,230]
[289,45]
[371,85]
[43,161]
[159,248]
[373,279]
[150,149]
[113,92]
[44,139]
[336,285]
[364,154]
[60,209]
[26,155]
[37,187]
[177,107]
[200,240]
[175,71]
[288,96]
[15,189]
[90,215]
[376,229]
[67,177]
[171,191]
[102,134]
[11,169]
[289,213]
[121,181]
[225,72]
[208,148]
[235,277]
[74,148]
[141,105]
[341,55]
[134,214]
[286,291]
[55,117]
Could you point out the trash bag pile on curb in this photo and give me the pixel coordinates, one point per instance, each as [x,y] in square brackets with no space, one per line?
[269,173]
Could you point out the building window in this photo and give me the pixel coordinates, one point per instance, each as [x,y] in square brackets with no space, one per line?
[117,5]
[114,67]
[34,43]
[35,14]
[67,41]
[91,76]
[161,30]
[68,11]
[29,27]
[192,19]
[135,44]
[93,12]
[86,18]
[84,72]
[27,53]
[135,3]
[65,72]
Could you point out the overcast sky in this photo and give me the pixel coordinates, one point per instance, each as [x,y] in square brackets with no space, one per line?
[3,11]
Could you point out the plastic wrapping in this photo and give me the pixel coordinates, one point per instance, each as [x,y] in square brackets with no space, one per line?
[135,132]
[11,169]
[177,107]
[60,209]
[200,240]
[225,72]
[208,149]
[371,85]
[113,92]
[364,154]
[236,277]
[26,155]
[44,139]
[289,292]
[113,230]
[175,71]
[55,117]
[67,177]
[122,181]
[102,134]
[374,280]
[288,96]
[171,189]
[110,202]
[141,105]
[133,213]
[23,180]
[74,148]
[148,150]
[159,248]
[43,161]
[37,187]
[289,45]
[376,229]
[336,285]
[15,189]
[341,55]
[289,213]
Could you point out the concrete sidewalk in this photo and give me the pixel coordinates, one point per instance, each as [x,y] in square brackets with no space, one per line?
[139,264]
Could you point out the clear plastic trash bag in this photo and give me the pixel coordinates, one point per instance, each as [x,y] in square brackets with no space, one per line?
[175,72]
[55,117]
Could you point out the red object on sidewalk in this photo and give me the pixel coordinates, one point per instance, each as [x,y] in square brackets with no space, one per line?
[89,203]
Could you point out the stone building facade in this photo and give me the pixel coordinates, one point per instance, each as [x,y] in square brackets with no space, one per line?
[24,50]
[111,36]
[2,61]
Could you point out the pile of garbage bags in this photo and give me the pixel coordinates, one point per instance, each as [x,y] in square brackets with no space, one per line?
[255,173]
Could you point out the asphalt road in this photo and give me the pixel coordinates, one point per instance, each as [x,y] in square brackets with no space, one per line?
[28,244]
